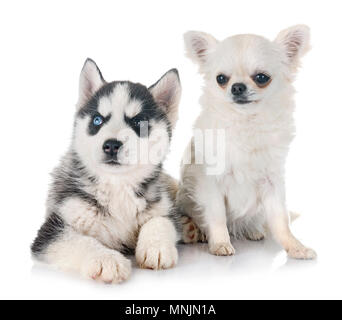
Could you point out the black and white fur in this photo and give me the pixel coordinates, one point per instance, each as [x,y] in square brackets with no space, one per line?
[102,205]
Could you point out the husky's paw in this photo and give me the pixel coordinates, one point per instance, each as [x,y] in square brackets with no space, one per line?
[222,249]
[255,236]
[191,233]
[156,256]
[302,253]
[108,268]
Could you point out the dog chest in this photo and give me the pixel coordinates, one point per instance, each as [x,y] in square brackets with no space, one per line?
[249,173]
[113,221]
[123,207]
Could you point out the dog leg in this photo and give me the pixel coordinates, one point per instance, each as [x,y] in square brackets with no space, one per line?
[278,222]
[87,256]
[219,240]
[214,217]
[156,247]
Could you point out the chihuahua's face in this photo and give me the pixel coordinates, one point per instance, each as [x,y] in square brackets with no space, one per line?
[246,72]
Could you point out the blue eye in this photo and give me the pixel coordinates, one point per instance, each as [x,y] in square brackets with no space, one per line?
[97,121]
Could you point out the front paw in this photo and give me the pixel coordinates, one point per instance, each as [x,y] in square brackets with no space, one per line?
[108,268]
[302,253]
[156,256]
[222,249]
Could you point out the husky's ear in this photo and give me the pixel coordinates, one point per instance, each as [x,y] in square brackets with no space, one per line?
[294,42]
[167,92]
[90,81]
[199,45]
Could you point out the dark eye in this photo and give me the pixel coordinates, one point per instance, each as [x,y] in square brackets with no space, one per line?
[139,120]
[140,123]
[136,122]
[261,79]
[97,121]
[222,79]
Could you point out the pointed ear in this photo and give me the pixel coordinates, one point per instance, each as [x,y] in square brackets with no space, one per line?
[199,45]
[90,81]
[167,92]
[294,42]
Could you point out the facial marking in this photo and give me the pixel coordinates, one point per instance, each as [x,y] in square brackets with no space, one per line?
[133,108]
[124,112]
[141,110]
[115,102]
[104,106]
[140,124]
[96,122]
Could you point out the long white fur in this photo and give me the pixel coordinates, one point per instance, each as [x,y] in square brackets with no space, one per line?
[248,197]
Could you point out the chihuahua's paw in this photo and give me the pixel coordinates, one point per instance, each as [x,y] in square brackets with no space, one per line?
[157,256]
[191,233]
[302,253]
[222,249]
[108,268]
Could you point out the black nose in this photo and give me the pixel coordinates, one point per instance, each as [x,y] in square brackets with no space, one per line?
[111,147]
[238,89]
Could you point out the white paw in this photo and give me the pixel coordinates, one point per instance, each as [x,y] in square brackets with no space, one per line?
[222,249]
[191,233]
[156,256]
[108,268]
[301,252]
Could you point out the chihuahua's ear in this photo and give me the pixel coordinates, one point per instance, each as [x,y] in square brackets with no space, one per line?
[90,81]
[166,93]
[294,42]
[199,45]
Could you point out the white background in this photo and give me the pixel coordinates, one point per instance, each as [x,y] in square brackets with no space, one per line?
[43,45]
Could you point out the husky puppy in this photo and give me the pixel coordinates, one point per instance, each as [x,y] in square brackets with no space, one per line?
[106,199]
[248,95]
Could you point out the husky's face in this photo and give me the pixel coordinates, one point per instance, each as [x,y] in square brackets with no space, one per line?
[247,71]
[121,126]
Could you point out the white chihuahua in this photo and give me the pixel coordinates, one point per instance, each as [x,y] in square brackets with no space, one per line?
[248,94]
